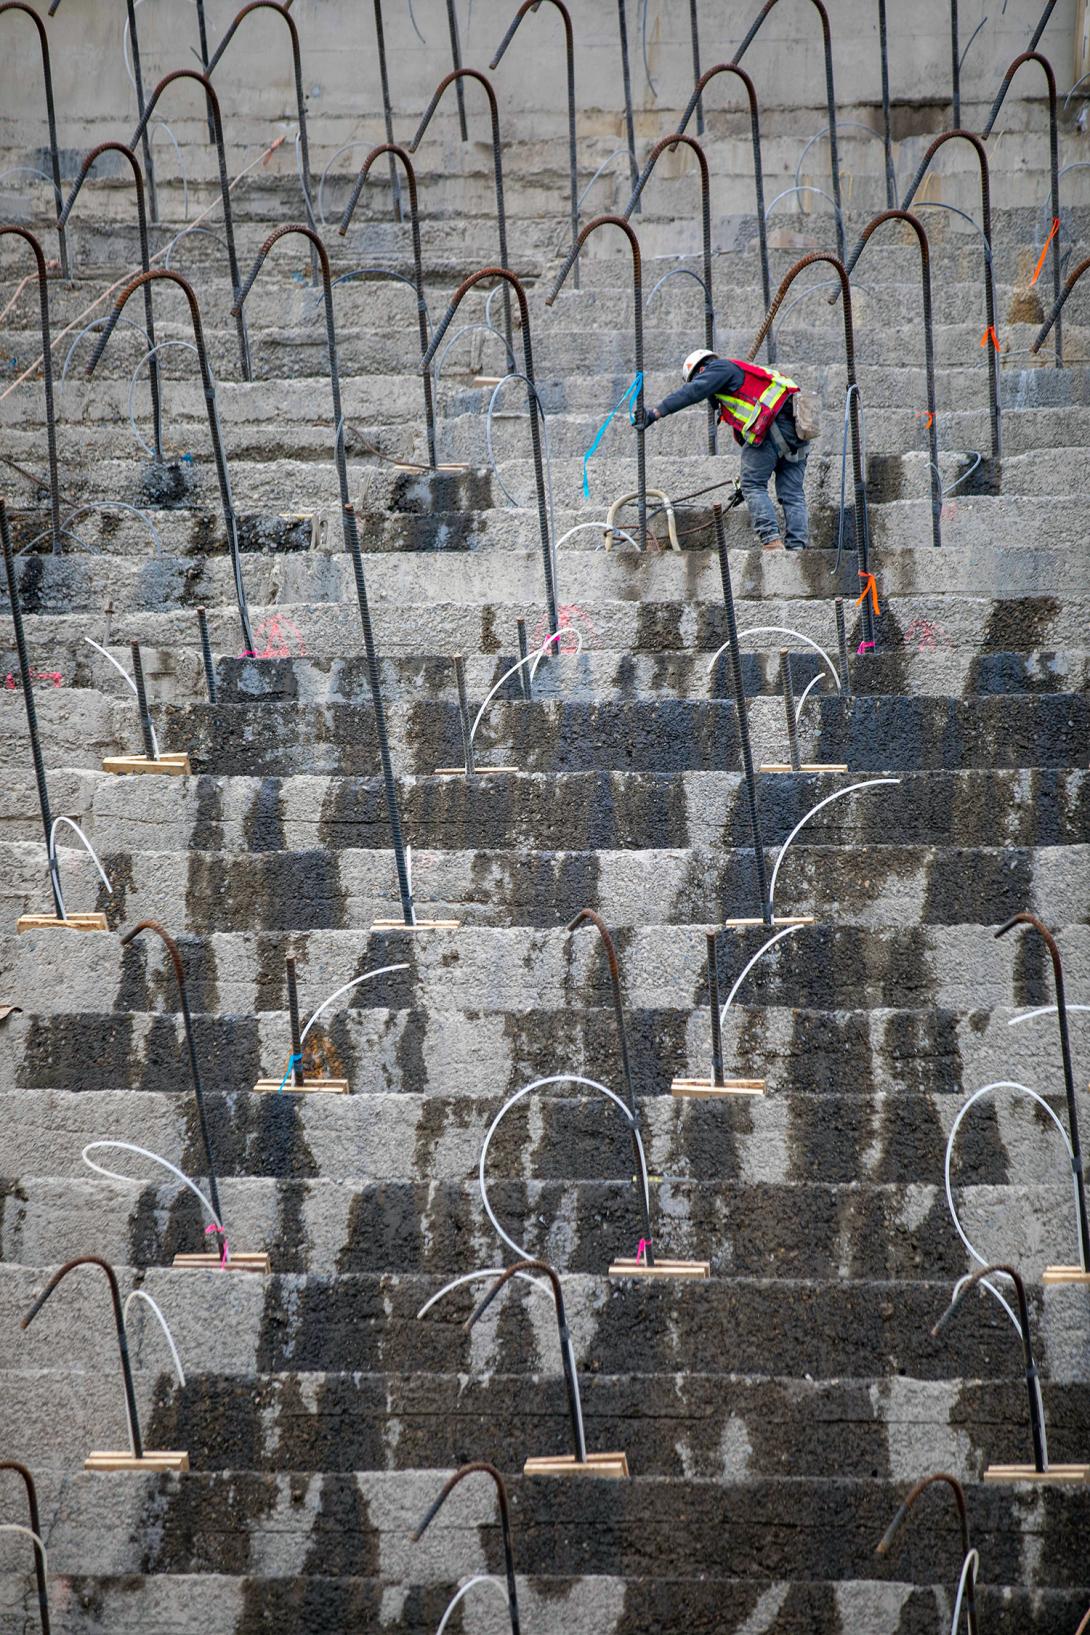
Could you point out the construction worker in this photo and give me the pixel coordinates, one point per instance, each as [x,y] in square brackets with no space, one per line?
[758,405]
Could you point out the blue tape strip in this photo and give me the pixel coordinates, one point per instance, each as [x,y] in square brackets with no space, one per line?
[293,1061]
[629,395]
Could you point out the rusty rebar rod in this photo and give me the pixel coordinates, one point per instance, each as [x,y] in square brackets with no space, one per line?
[174,953]
[481,1465]
[569,52]
[300,99]
[1053,163]
[904,1510]
[524,654]
[207,661]
[31,711]
[713,1001]
[212,103]
[47,379]
[535,431]
[788,689]
[695,101]
[219,453]
[955,65]
[456,63]
[830,101]
[637,320]
[127,153]
[1072,279]
[398,154]
[297,1078]
[141,106]
[387,110]
[142,702]
[842,648]
[626,79]
[924,246]
[456,77]
[694,38]
[51,119]
[1035,1413]
[1069,1079]
[567,1350]
[887,123]
[672,142]
[858,478]
[743,717]
[352,545]
[463,713]
[34,1518]
[119,1324]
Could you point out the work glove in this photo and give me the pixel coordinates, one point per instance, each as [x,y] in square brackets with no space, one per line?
[649,417]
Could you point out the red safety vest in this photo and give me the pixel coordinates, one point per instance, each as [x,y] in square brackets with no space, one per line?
[750,411]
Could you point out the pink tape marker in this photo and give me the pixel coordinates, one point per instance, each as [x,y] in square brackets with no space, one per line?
[641,1251]
[864,647]
[223,1241]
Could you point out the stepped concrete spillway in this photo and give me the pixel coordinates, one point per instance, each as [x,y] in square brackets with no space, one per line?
[775,1413]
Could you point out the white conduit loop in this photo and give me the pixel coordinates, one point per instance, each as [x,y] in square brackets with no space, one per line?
[802,698]
[968,1580]
[143,1152]
[160,346]
[557,635]
[17,1527]
[527,1089]
[992,1290]
[788,931]
[533,659]
[474,1277]
[481,1578]
[986,1090]
[139,1294]
[1042,1010]
[779,630]
[383,970]
[618,533]
[54,866]
[867,783]
[131,685]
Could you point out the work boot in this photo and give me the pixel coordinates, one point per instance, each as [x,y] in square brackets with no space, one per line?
[772,544]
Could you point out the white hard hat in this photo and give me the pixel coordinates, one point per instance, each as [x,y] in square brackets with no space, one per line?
[693,362]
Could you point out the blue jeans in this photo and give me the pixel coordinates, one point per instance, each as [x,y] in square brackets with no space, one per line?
[760,464]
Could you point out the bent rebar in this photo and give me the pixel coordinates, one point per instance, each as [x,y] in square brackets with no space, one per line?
[637,304]
[218,451]
[36,1530]
[569,51]
[830,101]
[29,705]
[300,100]
[485,1469]
[141,108]
[1069,1082]
[51,120]
[47,377]
[591,917]
[398,153]
[672,142]
[119,1323]
[567,1351]
[1072,279]
[352,545]
[908,1503]
[858,480]
[89,159]
[191,1044]
[213,109]
[695,101]
[928,347]
[1036,1413]
[1053,163]
[456,299]
[456,77]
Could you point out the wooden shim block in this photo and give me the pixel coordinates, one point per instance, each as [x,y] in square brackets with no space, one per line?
[729,1087]
[174,764]
[309,1087]
[424,471]
[778,920]
[1055,1474]
[661,1268]
[804,766]
[242,1260]
[1054,1275]
[608,1466]
[50,922]
[478,771]
[420,925]
[486,380]
[128,1461]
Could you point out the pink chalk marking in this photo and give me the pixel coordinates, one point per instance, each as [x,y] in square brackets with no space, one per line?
[569,617]
[641,1251]
[223,1241]
[11,681]
[864,647]
[279,634]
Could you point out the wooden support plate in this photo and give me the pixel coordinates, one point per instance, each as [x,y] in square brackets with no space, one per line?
[242,1260]
[729,1087]
[172,765]
[50,922]
[1054,1275]
[420,925]
[478,771]
[424,471]
[486,380]
[1026,1473]
[309,1087]
[661,1268]
[128,1461]
[804,766]
[778,920]
[611,1466]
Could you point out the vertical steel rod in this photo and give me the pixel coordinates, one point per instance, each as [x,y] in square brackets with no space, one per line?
[35,1527]
[713,1000]
[630,129]
[387,110]
[842,648]
[887,131]
[206,656]
[789,707]
[694,35]
[955,64]
[142,702]
[524,654]
[293,1014]
[29,705]
[456,62]
[51,119]
[463,712]
[743,718]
